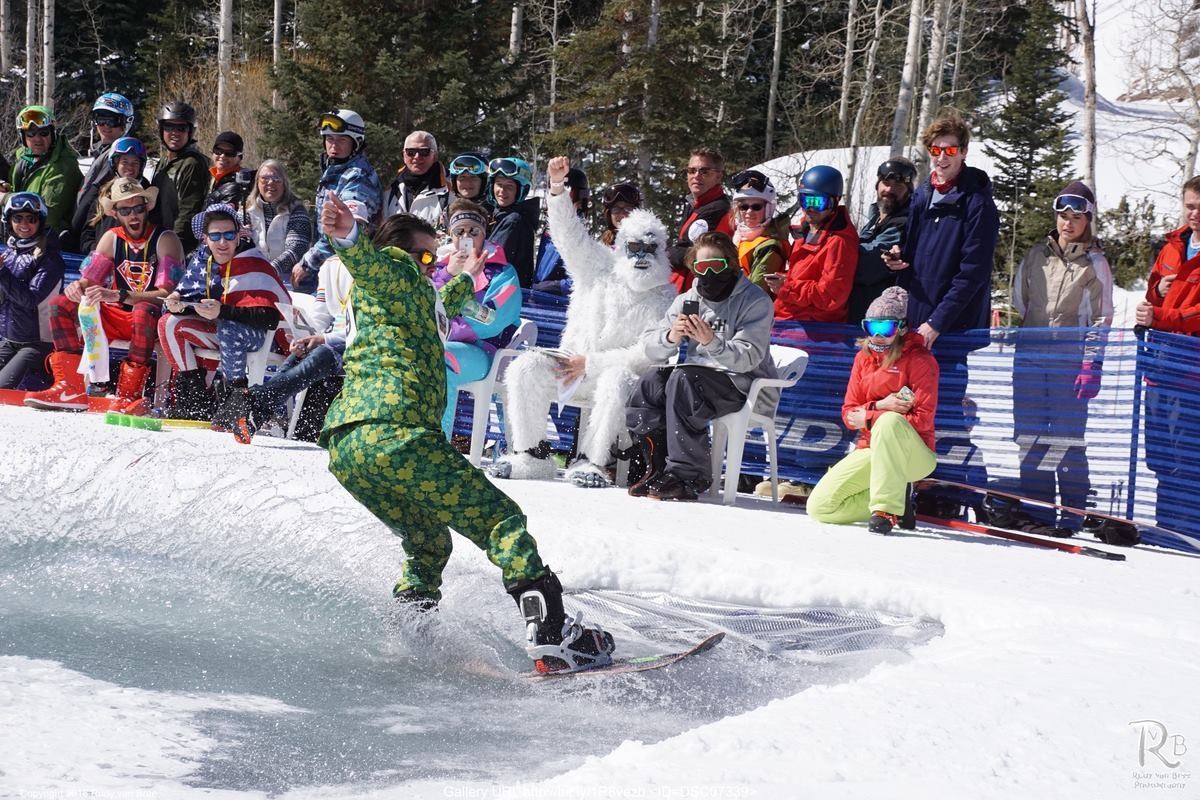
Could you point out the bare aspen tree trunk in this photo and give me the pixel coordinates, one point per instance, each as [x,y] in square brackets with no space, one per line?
[908,77]
[847,67]
[931,93]
[773,94]
[553,63]
[958,48]
[515,32]
[224,63]
[48,53]
[1087,35]
[5,52]
[645,159]
[864,103]
[276,45]
[31,47]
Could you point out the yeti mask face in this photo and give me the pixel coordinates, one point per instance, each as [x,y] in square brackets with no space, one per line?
[640,257]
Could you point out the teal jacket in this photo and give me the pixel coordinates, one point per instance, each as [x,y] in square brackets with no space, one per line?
[55,176]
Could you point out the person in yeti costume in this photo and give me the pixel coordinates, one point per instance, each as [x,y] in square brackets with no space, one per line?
[618,293]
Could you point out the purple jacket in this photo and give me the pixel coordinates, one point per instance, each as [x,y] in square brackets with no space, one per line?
[502,292]
[25,281]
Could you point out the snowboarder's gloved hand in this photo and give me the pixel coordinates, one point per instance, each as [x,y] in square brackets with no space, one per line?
[1087,382]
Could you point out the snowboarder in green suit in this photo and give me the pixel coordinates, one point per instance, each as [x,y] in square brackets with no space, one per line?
[387,448]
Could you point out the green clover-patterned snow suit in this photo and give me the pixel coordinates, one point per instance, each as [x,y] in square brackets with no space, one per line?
[384,431]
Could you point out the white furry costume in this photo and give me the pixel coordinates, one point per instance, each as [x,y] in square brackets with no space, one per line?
[615,297]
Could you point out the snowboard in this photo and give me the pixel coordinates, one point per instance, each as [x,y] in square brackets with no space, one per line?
[1150,534]
[621,666]
[153,423]
[1063,545]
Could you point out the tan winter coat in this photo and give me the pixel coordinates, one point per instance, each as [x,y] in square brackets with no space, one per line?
[1068,287]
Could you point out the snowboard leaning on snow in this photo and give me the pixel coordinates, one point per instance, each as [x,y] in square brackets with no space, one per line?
[638,663]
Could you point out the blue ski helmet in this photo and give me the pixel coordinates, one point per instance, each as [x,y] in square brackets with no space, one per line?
[822,179]
[126,146]
[25,201]
[518,169]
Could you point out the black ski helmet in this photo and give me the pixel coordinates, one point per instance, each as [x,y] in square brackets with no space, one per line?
[577,179]
[177,111]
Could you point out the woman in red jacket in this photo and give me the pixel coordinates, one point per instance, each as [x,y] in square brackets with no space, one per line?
[891,399]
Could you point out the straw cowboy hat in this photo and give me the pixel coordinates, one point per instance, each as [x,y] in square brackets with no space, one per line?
[126,188]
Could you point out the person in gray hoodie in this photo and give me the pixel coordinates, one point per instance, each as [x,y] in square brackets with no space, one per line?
[711,345]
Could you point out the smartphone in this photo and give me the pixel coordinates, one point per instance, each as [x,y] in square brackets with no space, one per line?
[690,307]
[466,245]
[906,394]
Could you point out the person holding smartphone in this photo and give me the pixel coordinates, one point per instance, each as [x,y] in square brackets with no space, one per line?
[890,400]
[710,346]
[473,340]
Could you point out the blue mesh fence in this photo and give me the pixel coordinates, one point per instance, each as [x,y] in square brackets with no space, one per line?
[1008,414]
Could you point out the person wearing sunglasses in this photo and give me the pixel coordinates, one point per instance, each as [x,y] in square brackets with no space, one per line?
[421,186]
[226,301]
[468,178]
[725,322]
[885,226]
[386,447]
[706,208]
[47,165]
[231,182]
[515,220]
[279,223]
[618,293]
[1064,281]
[112,118]
[472,341]
[134,266]
[31,269]
[761,247]
[345,172]
[550,271]
[820,275]
[890,400]
[127,158]
[184,164]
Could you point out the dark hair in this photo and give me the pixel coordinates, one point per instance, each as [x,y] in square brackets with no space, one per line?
[712,154]
[950,123]
[1192,185]
[720,241]
[217,216]
[398,230]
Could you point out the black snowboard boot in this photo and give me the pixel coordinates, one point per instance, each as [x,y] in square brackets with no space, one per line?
[554,642]
[234,414]
[1110,531]
[654,456]
[190,396]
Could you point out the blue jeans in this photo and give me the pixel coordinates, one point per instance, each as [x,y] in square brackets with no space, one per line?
[296,374]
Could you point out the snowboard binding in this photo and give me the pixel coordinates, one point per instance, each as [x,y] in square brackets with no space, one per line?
[556,642]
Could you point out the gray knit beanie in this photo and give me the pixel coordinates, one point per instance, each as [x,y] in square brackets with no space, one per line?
[892,304]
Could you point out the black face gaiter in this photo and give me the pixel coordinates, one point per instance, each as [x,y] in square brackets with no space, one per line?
[717,286]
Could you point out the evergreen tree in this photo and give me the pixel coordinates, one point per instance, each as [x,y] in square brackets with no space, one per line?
[1028,140]
[1130,241]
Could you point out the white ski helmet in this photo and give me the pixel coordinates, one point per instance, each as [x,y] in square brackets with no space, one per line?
[344,122]
[751,184]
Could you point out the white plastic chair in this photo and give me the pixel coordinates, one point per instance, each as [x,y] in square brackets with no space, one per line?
[731,429]
[481,391]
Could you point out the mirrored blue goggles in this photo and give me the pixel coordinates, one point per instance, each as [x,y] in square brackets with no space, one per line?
[472,165]
[1073,202]
[816,202]
[507,167]
[881,327]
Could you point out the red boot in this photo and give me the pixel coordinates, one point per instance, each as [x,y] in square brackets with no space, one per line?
[131,389]
[68,392]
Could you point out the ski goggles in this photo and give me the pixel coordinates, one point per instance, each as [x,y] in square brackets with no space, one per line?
[34,118]
[881,327]
[752,178]
[950,151]
[641,248]
[108,119]
[1073,202]
[709,266]
[332,123]
[896,171]
[506,167]
[471,165]
[26,201]
[422,257]
[623,193]
[816,202]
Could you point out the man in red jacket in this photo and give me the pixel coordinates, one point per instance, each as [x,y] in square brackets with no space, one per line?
[706,209]
[1172,305]
[816,287]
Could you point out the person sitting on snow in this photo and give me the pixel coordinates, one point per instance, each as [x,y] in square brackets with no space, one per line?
[890,400]
[472,341]
[618,293]
[726,321]
[128,274]
[226,301]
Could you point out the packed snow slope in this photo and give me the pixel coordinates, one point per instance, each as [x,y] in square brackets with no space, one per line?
[1042,685]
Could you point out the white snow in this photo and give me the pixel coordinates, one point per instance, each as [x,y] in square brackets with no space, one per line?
[1047,659]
